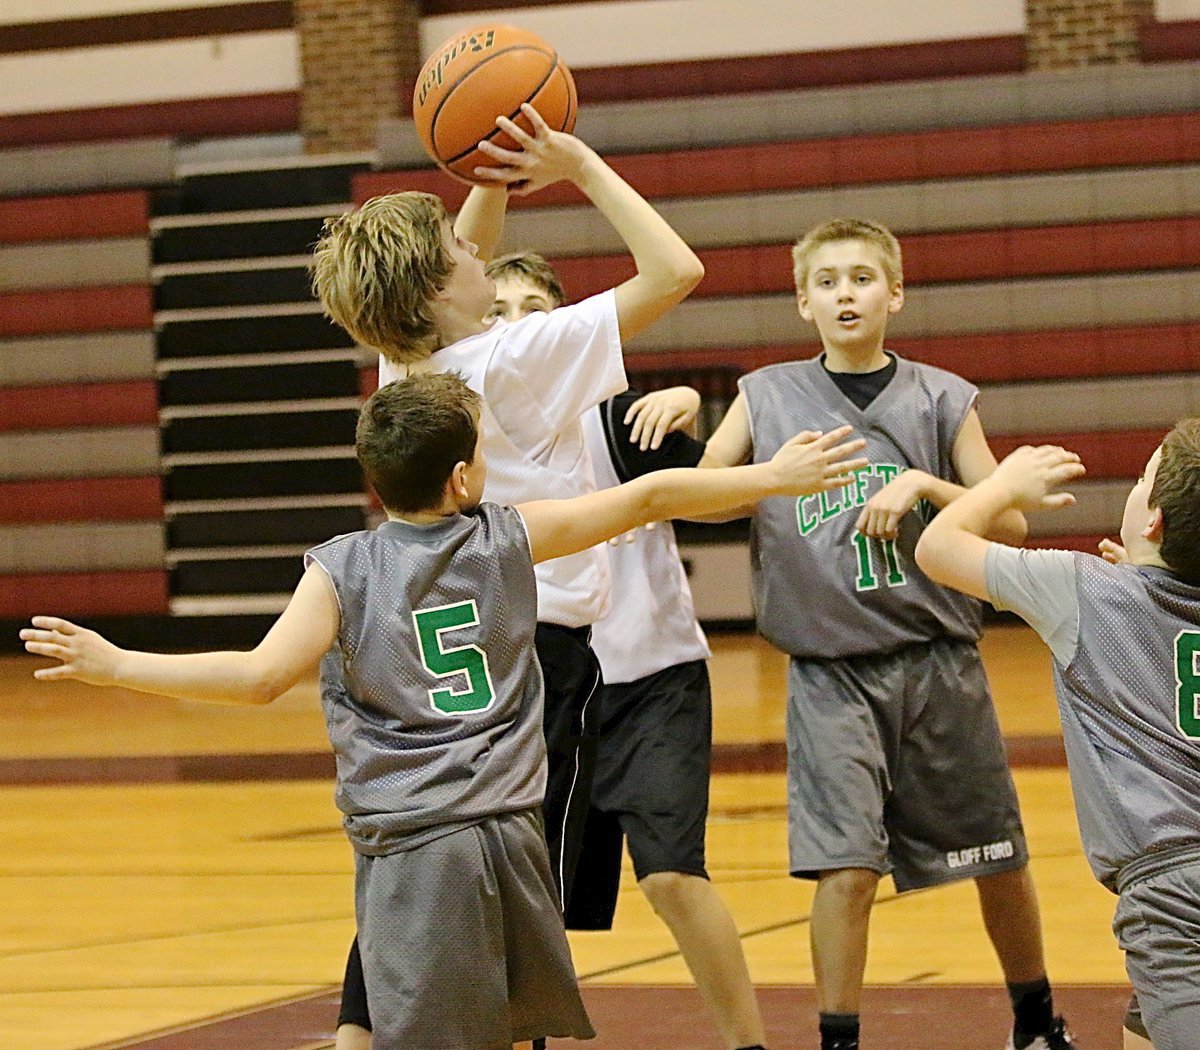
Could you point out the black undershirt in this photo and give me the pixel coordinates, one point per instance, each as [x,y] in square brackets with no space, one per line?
[863,387]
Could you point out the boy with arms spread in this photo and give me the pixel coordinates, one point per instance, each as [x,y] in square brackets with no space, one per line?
[1125,638]
[424,629]
[895,761]
[654,759]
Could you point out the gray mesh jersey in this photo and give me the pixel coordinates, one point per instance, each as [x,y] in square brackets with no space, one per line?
[432,692]
[821,589]
[1128,685]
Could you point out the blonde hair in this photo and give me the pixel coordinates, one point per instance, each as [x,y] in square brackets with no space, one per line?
[528,266]
[377,268]
[872,233]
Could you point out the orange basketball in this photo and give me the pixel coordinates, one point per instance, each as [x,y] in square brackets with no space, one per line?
[479,75]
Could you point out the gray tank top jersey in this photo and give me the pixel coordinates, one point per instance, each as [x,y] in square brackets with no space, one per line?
[821,589]
[1130,704]
[433,693]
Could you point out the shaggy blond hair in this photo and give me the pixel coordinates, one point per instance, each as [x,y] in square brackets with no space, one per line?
[847,230]
[376,270]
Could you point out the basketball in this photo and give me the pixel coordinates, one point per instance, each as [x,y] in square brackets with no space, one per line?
[479,75]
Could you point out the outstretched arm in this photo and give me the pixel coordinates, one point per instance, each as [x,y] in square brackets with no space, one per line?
[806,464]
[303,632]
[667,269]
[953,551]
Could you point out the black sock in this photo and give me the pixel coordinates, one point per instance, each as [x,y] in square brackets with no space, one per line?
[1033,1006]
[539,1044]
[839,1031]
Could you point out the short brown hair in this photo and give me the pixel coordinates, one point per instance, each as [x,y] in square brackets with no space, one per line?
[847,230]
[1176,491]
[528,266]
[376,270]
[412,433]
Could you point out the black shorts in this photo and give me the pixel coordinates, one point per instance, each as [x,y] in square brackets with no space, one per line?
[571,724]
[650,788]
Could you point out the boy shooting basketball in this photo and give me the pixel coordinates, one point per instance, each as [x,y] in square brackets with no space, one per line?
[400,279]
[424,629]
[1126,644]
[895,761]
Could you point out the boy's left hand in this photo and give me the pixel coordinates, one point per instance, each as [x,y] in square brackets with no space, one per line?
[882,513]
[660,412]
[1031,475]
[545,157]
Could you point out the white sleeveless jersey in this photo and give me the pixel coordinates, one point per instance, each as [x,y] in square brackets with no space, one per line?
[432,692]
[651,623]
[822,590]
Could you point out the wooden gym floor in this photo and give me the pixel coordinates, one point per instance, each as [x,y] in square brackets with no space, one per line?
[175,877]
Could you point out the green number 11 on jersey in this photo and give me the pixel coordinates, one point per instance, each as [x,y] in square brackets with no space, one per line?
[443,661]
[868,575]
[1187,681]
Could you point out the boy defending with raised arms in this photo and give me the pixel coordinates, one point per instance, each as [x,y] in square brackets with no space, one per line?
[1125,638]
[895,760]
[424,631]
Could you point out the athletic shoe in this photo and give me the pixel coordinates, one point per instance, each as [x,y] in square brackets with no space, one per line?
[1058,1038]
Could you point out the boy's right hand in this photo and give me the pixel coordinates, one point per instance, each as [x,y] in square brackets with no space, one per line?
[813,462]
[660,412]
[84,654]
[545,157]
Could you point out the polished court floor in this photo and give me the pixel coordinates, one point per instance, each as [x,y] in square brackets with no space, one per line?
[149,898]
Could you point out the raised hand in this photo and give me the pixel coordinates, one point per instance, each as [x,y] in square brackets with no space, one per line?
[83,654]
[658,413]
[814,462]
[1032,475]
[545,157]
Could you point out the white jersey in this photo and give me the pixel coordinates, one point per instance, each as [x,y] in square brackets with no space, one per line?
[651,623]
[537,376]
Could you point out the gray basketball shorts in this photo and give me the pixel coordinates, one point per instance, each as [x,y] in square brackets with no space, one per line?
[463,944]
[1157,924]
[896,764]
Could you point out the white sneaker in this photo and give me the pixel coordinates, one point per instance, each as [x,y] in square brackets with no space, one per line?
[1058,1038]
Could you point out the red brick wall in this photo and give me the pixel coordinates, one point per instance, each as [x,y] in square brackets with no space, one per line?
[355,54]
[1067,33]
